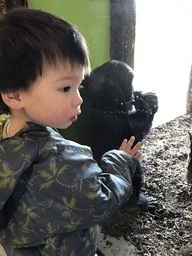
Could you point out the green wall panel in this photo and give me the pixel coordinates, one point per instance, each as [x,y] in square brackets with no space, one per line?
[91,17]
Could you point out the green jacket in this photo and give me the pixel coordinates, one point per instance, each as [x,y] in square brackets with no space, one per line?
[54,194]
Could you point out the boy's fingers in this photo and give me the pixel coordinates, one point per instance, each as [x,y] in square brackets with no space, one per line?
[123,145]
[127,145]
[138,155]
[130,142]
[136,148]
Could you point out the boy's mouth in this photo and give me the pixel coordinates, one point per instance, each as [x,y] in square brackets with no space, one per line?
[74,118]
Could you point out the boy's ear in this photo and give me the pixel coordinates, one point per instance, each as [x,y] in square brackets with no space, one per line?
[12,100]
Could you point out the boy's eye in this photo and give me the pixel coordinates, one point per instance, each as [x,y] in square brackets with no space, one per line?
[80,87]
[66,89]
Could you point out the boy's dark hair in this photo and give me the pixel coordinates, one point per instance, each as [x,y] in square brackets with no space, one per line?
[27,37]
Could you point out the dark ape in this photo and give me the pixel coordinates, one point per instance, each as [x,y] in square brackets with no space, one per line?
[111,112]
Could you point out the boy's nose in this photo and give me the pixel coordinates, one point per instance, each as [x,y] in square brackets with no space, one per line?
[77,101]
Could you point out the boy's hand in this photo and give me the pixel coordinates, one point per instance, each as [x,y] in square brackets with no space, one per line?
[126,146]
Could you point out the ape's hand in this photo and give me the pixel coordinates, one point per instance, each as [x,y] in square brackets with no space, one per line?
[145,101]
[126,146]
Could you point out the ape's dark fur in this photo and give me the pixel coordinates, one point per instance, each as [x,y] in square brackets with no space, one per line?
[107,117]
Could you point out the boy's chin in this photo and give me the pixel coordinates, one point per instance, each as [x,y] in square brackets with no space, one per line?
[63,127]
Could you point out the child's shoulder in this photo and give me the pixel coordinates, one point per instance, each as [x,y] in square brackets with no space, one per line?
[51,138]
[3,119]
[42,140]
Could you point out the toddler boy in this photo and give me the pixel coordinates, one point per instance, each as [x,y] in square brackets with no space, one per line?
[53,194]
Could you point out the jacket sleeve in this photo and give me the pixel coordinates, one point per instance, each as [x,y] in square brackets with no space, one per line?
[117,172]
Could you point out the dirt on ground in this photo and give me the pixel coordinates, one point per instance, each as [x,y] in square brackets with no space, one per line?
[167,228]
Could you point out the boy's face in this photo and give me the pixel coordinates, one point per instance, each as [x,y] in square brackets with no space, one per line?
[54,99]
